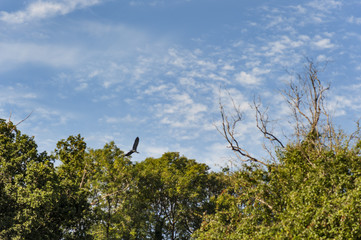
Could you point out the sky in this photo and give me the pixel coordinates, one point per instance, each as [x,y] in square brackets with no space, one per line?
[112,70]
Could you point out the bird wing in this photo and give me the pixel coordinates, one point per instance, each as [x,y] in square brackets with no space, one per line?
[129,153]
[135,145]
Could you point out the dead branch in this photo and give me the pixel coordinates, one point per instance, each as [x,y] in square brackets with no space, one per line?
[264,202]
[14,127]
[306,99]
[228,132]
[262,124]
[83,177]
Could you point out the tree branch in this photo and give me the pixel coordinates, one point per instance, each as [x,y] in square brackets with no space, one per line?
[262,122]
[228,132]
[20,121]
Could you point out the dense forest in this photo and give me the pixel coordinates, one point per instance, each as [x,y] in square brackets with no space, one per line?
[308,188]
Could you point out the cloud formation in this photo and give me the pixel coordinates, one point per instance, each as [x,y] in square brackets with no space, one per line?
[47,54]
[44,9]
[122,76]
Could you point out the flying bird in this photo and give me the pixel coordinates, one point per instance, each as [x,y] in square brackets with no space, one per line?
[134,149]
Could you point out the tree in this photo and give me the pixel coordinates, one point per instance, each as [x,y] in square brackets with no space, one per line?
[173,192]
[99,193]
[30,196]
[110,182]
[72,174]
[310,191]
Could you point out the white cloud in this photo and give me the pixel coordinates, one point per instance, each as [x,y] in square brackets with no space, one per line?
[117,120]
[206,64]
[339,105]
[322,58]
[324,5]
[252,78]
[82,86]
[183,98]
[228,67]
[252,64]
[323,43]
[276,21]
[153,3]
[111,119]
[53,55]
[281,45]
[56,117]
[94,73]
[260,71]
[16,95]
[189,81]
[247,79]
[300,9]
[181,112]
[155,151]
[154,89]
[176,60]
[44,9]
[355,20]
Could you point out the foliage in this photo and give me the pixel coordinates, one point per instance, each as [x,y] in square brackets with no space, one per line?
[174,192]
[31,195]
[99,193]
[310,191]
[292,199]
[71,172]
[110,185]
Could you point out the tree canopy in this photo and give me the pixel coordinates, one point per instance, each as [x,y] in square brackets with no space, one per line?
[309,187]
[98,193]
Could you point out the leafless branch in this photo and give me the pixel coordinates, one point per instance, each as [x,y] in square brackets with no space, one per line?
[10,116]
[306,99]
[83,177]
[312,122]
[20,121]
[262,124]
[227,130]
[264,202]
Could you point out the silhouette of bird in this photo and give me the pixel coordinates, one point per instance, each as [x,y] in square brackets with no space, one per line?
[134,149]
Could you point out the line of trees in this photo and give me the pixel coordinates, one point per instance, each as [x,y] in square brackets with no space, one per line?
[308,188]
[99,193]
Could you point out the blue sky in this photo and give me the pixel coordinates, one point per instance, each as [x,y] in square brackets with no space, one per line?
[114,70]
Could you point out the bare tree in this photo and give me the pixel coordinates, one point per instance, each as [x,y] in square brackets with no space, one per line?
[312,122]
[306,100]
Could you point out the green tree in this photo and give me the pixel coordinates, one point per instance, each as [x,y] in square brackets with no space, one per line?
[173,192]
[30,197]
[72,173]
[110,182]
[310,191]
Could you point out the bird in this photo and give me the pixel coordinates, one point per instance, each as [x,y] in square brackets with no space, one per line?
[134,149]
